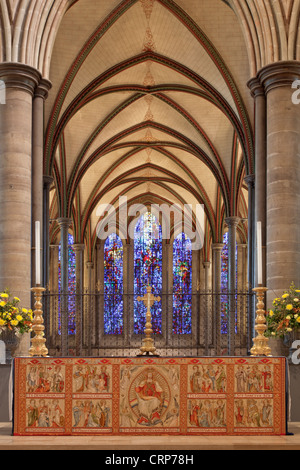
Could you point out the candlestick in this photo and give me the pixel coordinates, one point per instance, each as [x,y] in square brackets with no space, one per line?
[38,347]
[259,255]
[38,253]
[261,342]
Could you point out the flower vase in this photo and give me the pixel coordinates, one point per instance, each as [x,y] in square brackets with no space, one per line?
[12,342]
[279,348]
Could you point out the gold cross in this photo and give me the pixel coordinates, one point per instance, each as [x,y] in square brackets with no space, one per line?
[149,299]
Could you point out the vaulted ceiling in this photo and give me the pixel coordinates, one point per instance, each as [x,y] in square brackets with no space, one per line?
[149,101]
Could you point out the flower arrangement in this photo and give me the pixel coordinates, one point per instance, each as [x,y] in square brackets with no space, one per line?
[284,318]
[12,317]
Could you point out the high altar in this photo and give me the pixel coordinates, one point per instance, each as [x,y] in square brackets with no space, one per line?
[149,395]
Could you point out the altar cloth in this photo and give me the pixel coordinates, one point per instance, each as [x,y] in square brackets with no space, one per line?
[150,396]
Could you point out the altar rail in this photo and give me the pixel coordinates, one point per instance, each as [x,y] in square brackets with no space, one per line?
[209,326]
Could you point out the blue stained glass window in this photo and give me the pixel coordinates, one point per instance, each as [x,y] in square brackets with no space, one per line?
[113,286]
[182,285]
[224,285]
[147,270]
[71,287]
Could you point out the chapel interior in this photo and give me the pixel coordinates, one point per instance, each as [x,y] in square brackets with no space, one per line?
[113,105]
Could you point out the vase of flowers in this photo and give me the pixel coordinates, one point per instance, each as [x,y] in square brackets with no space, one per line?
[283,320]
[15,321]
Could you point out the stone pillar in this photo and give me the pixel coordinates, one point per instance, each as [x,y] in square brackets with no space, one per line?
[250,180]
[258,93]
[232,223]
[89,319]
[207,325]
[53,287]
[15,182]
[48,180]
[79,254]
[217,264]
[283,176]
[64,225]
[40,96]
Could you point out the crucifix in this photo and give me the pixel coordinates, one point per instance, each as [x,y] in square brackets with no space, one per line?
[148,347]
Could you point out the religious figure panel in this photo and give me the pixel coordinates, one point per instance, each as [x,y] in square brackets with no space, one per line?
[254,378]
[208,413]
[209,378]
[91,379]
[149,397]
[41,379]
[91,414]
[254,413]
[45,413]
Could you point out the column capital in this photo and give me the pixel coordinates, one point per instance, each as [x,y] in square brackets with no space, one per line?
[279,74]
[78,247]
[20,76]
[43,89]
[48,180]
[89,264]
[206,264]
[64,222]
[233,221]
[256,87]
[217,246]
[250,180]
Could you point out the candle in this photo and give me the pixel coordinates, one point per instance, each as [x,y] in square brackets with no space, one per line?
[38,253]
[259,255]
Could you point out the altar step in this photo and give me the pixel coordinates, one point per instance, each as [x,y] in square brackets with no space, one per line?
[155,445]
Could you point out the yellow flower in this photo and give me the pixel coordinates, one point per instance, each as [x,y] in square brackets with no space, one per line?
[2,304]
[17,299]
[298,291]
[289,307]
[14,322]
[285,296]
[2,322]
[298,320]
[288,317]
[24,310]
[271,313]
[4,296]
[289,330]
[19,318]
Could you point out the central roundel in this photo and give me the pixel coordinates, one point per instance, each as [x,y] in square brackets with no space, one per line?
[149,397]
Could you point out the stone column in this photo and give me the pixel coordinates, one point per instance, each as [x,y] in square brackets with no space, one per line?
[48,180]
[40,96]
[207,325]
[258,93]
[15,182]
[64,224]
[232,223]
[79,254]
[217,264]
[89,319]
[53,287]
[250,180]
[283,176]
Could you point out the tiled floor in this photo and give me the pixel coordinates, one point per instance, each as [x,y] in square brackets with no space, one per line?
[8,442]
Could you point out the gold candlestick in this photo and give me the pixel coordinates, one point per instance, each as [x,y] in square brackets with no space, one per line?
[148,347]
[38,347]
[261,342]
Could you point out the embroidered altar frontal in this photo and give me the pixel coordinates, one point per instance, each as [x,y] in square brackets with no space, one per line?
[149,396]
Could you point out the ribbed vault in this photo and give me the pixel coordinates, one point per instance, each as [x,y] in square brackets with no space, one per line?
[149,101]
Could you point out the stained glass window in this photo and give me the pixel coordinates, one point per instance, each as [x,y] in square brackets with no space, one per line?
[147,270]
[71,287]
[182,285]
[224,285]
[113,285]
